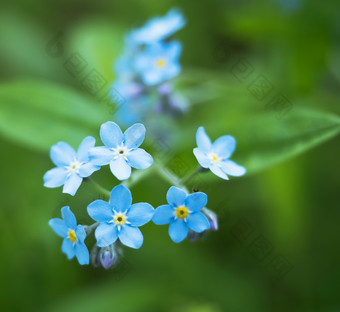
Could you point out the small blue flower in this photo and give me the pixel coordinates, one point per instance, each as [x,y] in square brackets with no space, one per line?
[159,62]
[216,156]
[183,213]
[74,236]
[158,28]
[120,219]
[121,150]
[72,166]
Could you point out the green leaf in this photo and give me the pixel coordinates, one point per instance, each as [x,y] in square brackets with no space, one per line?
[39,114]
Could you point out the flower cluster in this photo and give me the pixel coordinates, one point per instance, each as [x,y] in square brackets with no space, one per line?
[118,220]
[144,71]
[149,61]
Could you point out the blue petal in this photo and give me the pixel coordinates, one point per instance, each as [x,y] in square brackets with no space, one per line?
[101,155]
[172,71]
[196,201]
[100,211]
[163,215]
[152,77]
[69,217]
[218,171]
[106,234]
[84,147]
[134,136]
[131,236]
[62,154]
[139,159]
[176,196]
[224,146]
[110,134]
[140,213]
[72,184]
[80,233]
[87,169]
[198,222]
[202,158]
[68,248]
[121,198]
[55,177]
[233,169]
[178,230]
[59,226]
[120,169]
[202,140]
[82,253]
[174,49]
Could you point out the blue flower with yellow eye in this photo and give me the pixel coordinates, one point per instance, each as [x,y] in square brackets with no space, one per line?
[215,156]
[74,236]
[121,150]
[183,213]
[159,62]
[158,28]
[119,219]
[72,166]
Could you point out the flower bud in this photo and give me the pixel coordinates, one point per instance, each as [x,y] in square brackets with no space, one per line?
[212,218]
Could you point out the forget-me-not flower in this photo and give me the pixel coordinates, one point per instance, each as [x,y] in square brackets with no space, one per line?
[159,62]
[119,219]
[72,166]
[121,151]
[183,213]
[215,156]
[158,28]
[74,236]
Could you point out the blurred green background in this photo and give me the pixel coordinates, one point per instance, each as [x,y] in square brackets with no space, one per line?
[277,248]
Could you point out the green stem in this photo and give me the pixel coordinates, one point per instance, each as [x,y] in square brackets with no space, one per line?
[89,228]
[137,176]
[169,176]
[191,176]
[100,188]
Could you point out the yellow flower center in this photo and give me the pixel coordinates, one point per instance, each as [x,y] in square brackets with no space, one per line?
[160,63]
[214,158]
[119,219]
[72,236]
[182,212]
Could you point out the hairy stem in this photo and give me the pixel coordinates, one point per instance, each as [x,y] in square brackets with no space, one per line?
[100,188]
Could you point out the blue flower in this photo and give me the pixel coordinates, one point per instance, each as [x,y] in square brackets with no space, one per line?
[183,213]
[158,28]
[74,236]
[118,218]
[216,156]
[72,166]
[121,150]
[159,62]
[133,110]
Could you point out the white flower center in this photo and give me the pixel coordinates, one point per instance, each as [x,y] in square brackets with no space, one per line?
[74,167]
[214,158]
[121,152]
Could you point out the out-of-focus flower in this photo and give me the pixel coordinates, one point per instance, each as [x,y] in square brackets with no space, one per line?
[183,213]
[72,166]
[216,156]
[119,219]
[121,150]
[159,62]
[74,236]
[158,28]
